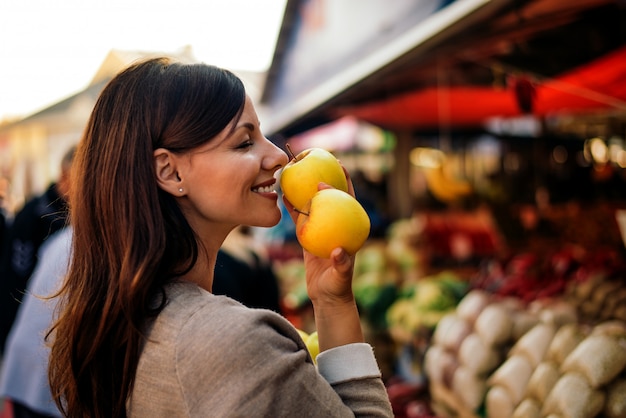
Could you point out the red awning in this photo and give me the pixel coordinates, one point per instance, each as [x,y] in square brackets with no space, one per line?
[598,85]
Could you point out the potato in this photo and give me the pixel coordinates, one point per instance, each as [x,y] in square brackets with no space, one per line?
[612,328]
[585,289]
[603,290]
[559,313]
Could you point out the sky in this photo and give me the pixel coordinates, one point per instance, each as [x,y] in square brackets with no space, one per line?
[51,49]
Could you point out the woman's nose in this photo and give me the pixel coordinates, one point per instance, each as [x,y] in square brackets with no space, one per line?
[278,157]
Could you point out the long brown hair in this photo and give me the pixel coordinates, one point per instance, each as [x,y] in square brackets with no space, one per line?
[130,237]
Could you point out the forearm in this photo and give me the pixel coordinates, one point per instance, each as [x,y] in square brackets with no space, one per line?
[337,324]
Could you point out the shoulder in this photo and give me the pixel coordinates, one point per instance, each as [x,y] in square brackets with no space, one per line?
[202,346]
[201,313]
[203,328]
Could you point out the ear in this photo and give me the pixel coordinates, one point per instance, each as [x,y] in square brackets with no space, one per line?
[165,166]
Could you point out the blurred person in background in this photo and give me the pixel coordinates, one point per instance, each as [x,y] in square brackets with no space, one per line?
[24,371]
[243,271]
[172,161]
[38,219]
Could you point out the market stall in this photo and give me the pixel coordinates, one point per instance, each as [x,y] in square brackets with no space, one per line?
[497,287]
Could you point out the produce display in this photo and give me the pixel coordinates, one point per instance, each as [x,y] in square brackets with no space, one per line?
[527,334]
[453,236]
[499,356]
[500,350]
[423,304]
[443,185]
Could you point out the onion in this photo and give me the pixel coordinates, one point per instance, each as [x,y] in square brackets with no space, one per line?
[472,305]
[572,397]
[534,344]
[599,358]
[468,387]
[451,331]
[494,324]
[477,356]
[528,408]
[513,375]
[565,340]
[542,380]
[498,403]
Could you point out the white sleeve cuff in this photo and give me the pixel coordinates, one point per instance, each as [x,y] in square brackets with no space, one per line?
[350,361]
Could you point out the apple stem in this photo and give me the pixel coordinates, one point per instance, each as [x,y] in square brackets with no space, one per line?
[290,152]
[301,212]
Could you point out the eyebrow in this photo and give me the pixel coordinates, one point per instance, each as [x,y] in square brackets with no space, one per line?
[247,125]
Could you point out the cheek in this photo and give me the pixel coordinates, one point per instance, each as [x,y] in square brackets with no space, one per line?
[219,192]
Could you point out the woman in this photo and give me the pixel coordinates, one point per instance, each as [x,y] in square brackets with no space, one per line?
[171,161]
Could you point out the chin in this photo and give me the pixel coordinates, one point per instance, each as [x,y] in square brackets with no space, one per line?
[267,223]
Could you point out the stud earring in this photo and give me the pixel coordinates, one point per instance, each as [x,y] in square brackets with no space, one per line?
[180,190]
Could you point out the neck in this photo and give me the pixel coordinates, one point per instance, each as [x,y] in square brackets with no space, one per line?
[208,246]
[202,273]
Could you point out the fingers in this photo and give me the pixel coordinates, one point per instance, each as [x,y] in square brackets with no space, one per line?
[342,262]
[350,185]
[321,186]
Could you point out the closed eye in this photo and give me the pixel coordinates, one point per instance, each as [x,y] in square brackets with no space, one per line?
[245,144]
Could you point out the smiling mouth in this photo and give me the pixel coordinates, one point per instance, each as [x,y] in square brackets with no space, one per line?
[263,189]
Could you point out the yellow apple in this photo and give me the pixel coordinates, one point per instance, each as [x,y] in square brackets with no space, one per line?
[313,345]
[301,175]
[331,219]
[303,334]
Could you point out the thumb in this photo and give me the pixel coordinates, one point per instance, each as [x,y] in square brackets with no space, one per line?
[342,262]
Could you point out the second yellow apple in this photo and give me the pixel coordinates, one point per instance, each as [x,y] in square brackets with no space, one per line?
[331,219]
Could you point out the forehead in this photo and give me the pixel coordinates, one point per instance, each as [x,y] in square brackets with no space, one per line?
[249,109]
[248,120]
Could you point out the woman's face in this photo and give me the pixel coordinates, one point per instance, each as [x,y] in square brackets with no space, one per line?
[230,180]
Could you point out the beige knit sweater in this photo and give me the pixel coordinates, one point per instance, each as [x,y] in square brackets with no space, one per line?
[209,356]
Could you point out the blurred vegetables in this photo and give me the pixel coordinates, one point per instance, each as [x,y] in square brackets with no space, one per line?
[556,367]
[422,304]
